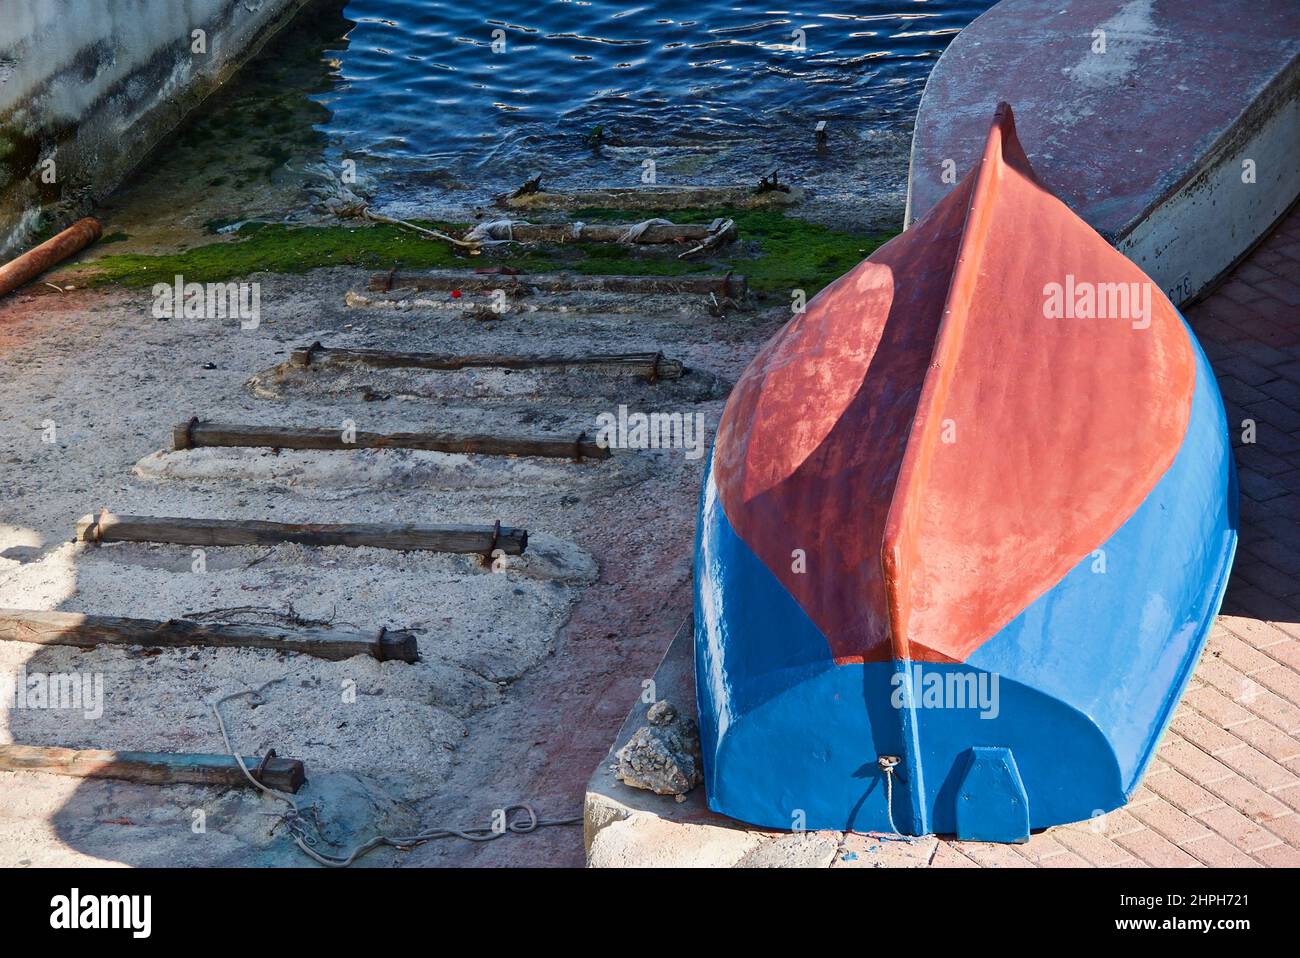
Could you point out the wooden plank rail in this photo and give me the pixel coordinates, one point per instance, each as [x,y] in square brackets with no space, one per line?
[107,527]
[655,198]
[654,366]
[89,631]
[195,433]
[728,286]
[154,768]
[657,233]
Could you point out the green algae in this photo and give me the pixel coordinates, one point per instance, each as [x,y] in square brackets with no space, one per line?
[776,252]
[277,249]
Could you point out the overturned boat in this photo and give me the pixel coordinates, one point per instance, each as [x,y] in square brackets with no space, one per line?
[966,526]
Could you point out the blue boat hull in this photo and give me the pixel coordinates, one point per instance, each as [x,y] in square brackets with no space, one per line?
[1078,688]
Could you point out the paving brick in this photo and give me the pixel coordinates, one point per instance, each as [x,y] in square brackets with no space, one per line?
[1249,799]
[1216,852]
[1249,693]
[1170,822]
[1241,832]
[1289,795]
[1069,860]
[947,856]
[1263,576]
[1091,845]
[1263,353]
[1041,847]
[1237,652]
[1286,653]
[1275,414]
[1192,760]
[871,851]
[1257,767]
[1253,273]
[1281,680]
[1283,390]
[993,856]
[1283,289]
[1204,735]
[1262,461]
[1279,856]
[1245,370]
[1218,708]
[1120,821]
[1241,393]
[1156,850]
[1288,479]
[1291,250]
[1290,626]
[1278,555]
[1240,291]
[1258,486]
[1268,436]
[1270,740]
[1243,599]
[1261,635]
[1271,259]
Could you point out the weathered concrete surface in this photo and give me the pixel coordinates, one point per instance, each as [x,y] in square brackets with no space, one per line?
[94,87]
[1146,138]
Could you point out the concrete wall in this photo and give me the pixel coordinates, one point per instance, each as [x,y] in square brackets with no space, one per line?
[95,86]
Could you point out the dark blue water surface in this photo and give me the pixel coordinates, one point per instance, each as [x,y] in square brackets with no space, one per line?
[712,91]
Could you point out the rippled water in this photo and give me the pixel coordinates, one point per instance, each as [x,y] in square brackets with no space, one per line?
[485,94]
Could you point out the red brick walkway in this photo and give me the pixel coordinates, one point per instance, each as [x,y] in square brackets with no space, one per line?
[1225,787]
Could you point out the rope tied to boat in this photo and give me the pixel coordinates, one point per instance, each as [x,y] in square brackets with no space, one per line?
[305,830]
[887,764]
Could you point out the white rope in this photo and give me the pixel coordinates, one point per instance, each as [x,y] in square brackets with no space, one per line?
[306,836]
[889,802]
[433,234]
[636,231]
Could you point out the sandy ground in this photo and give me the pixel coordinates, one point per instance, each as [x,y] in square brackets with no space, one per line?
[523,672]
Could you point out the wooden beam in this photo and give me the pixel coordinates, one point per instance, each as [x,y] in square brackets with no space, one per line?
[654,198]
[89,631]
[154,768]
[107,527]
[195,433]
[654,366]
[728,286]
[616,232]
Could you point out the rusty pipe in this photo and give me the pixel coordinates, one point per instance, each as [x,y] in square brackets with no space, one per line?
[54,250]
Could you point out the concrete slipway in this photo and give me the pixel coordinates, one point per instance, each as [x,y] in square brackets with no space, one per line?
[484,717]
